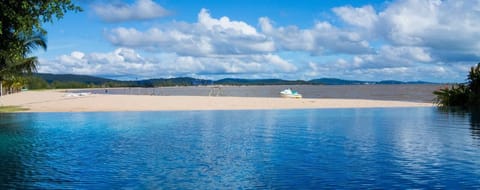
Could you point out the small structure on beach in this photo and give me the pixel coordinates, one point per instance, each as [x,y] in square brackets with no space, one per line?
[216,91]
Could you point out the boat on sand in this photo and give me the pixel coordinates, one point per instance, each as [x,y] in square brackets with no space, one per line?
[289,93]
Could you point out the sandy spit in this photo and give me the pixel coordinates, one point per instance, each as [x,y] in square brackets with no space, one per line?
[57,101]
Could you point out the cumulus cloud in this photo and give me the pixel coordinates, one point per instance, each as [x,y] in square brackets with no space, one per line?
[446,29]
[414,72]
[405,39]
[323,38]
[224,24]
[140,10]
[392,56]
[126,62]
[119,62]
[207,37]
[424,40]
[210,36]
[364,17]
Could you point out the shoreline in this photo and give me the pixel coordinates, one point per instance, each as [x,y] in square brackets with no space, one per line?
[59,101]
[409,93]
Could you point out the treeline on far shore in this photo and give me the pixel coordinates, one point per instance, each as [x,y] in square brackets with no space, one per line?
[64,81]
[36,82]
[48,81]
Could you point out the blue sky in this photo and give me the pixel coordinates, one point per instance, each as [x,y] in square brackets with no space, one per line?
[409,40]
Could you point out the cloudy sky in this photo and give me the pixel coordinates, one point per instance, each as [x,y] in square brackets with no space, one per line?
[409,40]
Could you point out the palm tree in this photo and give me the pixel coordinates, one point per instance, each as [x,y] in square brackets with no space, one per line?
[454,96]
[462,95]
[16,62]
[474,84]
[14,83]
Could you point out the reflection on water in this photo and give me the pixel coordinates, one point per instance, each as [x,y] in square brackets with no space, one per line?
[14,134]
[473,115]
[270,149]
[475,123]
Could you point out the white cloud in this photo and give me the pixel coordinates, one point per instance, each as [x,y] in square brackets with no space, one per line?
[426,38]
[425,72]
[412,73]
[408,22]
[125,62]
[448,29]
[392,56]
[364,17]
[140,10]
[207,37]
[210,36]
[224,24]
[119,62]
[323,38]
[407,39]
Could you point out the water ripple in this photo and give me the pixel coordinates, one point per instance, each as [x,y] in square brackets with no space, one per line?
[301,149]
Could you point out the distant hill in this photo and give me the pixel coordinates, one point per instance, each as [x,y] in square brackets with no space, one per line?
[72,78]
[334,81]
[179,81]
[42,80]
[230,81]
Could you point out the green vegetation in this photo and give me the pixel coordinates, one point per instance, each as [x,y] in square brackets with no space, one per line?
[21,32]
[8,109]
[465,95]
[60,81]
[17,66]
[51,81]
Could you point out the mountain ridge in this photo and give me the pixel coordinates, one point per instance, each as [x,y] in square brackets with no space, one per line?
[64,80]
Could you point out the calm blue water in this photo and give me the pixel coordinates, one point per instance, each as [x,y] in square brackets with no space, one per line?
[282,149]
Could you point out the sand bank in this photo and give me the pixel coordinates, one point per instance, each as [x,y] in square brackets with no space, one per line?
[57,101]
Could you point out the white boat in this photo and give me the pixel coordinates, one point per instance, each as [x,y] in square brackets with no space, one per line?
[289,93]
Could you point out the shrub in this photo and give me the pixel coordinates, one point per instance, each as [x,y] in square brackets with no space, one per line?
[461,95]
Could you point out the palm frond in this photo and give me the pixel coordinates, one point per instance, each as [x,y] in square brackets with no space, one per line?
[17,61]
[34,42]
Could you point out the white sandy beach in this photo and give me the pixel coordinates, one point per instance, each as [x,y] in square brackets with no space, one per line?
[57,101]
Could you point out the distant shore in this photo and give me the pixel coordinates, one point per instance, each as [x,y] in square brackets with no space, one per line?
[397,92]
[60,101]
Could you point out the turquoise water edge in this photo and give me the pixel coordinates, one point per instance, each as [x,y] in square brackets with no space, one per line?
[265,149]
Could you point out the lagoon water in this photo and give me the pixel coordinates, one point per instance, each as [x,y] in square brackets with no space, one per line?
[407,92]
[273,149]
